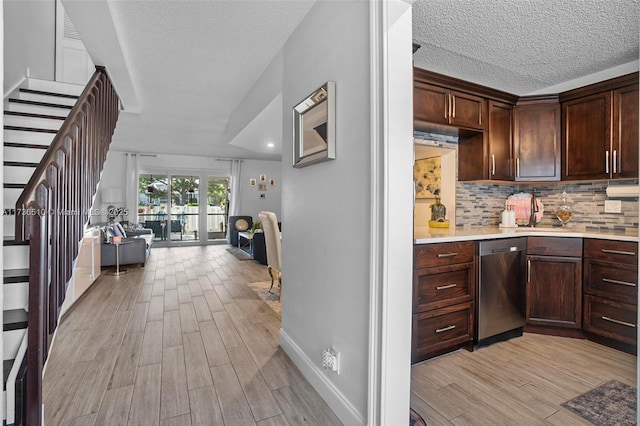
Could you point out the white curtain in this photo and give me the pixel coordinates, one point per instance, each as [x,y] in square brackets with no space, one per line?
[234,183]
[131,186]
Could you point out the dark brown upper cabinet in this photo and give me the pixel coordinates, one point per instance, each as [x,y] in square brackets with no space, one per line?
[500,137]
[625,132]
[600,130]
[434,104]
[587,137]
[536,139]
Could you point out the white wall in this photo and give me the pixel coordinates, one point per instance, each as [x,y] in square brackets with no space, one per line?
[326,208]
[250,201]
[114,173]
[29,27]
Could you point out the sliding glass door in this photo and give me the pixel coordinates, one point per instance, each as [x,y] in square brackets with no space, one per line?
[217,207]
[153,203]
[185,209]
[178,211]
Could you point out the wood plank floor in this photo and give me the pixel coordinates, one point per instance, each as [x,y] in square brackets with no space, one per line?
[182,341]
[521,381]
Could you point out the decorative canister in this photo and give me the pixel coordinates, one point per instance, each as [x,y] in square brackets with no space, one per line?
[438,215]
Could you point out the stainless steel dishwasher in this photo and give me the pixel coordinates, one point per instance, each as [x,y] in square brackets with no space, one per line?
[501,289]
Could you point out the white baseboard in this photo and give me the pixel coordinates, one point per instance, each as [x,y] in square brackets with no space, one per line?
[339,404]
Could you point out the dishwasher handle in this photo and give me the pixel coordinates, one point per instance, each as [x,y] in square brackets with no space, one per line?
[505,250]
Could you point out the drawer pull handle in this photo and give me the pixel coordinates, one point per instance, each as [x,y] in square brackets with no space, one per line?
[609,280]
[625,253]
[444,287]
[615,321]
[440,330]
[447,254]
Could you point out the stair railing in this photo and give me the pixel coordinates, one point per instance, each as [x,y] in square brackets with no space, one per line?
[51,214]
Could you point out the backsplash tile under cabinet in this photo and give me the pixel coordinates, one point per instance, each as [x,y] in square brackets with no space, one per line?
[479,204]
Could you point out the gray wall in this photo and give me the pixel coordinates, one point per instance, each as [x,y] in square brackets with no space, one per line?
[29,40]
[326,206]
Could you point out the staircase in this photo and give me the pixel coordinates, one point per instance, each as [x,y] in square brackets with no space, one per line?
[56,138]
[33,115]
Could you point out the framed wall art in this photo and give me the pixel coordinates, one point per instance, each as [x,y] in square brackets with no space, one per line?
[314,127]
[427,176]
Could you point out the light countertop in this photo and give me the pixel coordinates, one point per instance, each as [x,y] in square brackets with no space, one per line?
[426,235]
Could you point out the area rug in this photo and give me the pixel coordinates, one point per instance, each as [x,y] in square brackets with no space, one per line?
[271,299]
[415,419]
[239,253]
[613,403]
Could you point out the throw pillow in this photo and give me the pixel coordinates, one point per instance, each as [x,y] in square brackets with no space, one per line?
[115,231]
[119,227]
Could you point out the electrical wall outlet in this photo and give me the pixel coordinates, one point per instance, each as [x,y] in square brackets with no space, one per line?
[612,206]
[331,360]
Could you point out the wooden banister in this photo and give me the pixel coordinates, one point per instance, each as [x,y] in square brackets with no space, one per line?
[51,214]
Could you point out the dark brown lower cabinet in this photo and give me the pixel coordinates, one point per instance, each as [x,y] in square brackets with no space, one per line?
[441,329]
[611,292]
[554,290]
[443,298]
[554,282]
[609,318]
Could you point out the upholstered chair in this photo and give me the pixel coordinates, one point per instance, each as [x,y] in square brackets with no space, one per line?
[274,247]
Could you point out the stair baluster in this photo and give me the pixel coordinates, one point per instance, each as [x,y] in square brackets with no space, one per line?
[51,214]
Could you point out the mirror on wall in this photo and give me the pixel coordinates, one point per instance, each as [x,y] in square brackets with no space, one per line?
[314,127]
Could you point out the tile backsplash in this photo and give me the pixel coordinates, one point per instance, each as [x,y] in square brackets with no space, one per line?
[480,204]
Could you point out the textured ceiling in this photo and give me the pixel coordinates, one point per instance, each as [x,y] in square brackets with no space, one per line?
[524,46]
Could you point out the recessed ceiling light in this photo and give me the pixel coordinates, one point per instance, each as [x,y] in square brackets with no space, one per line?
[271,145]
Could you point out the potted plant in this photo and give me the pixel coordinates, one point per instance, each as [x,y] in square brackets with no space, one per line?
[257,225]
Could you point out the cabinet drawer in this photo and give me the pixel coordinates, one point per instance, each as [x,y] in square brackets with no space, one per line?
[617,281]
[442,286]
[439,329]
[428,255]
[610,319]
[554,246]
[611,250]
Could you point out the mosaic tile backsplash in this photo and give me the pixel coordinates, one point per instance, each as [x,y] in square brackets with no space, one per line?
[480,204]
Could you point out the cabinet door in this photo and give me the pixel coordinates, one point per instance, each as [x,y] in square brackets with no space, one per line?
[500,137]
[536,141]
[554,291]
[466,110]
[430,103]
[586,137]
[625,133]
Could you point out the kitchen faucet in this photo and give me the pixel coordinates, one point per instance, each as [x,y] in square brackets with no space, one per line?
[534,209]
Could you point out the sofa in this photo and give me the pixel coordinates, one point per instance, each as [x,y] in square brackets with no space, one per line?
[135,245]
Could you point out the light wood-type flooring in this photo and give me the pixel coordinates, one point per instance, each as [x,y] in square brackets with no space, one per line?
[521,381]
[182,341]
